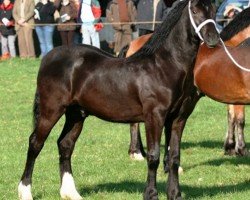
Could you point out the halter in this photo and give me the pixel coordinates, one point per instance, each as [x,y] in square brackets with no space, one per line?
[198,28]
[197,31]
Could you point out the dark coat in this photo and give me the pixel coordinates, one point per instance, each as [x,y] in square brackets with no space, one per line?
[148,12]
[6,12]
[71,10]
[46,12]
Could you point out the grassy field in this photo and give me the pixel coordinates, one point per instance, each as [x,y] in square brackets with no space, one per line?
[102,167]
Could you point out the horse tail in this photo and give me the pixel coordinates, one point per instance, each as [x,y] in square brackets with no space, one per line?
[123,52]
[36,110]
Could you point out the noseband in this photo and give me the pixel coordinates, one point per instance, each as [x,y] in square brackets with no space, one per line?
[197,31]
[198,28]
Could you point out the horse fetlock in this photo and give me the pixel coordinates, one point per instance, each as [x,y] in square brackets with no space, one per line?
[242,151]
[174,194]
[68,190]
[24,192]
[150,194]
[136,156]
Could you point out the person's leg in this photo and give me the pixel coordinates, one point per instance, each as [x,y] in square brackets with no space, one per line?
[48,31]
[28,33]
[11,45]
[85,35]
[4,41]
[23,53]
[70,37]
[94,36]
[40,31]
[63,35]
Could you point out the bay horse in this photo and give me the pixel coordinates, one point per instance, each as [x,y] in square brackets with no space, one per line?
[233,34]
[229,84]
[154,86]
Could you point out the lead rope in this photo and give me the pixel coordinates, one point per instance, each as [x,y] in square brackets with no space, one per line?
[197,30]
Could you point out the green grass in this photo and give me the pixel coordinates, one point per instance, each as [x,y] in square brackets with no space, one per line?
[101,165]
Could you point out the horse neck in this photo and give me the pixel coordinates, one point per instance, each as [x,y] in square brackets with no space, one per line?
[182,42]
[238,38]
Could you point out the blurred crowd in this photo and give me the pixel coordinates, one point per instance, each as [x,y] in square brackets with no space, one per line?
[26,25]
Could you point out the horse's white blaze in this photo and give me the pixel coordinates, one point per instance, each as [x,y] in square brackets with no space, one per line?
[68,189]
[24,192]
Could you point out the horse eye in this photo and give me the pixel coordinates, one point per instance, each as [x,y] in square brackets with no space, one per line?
[194,11]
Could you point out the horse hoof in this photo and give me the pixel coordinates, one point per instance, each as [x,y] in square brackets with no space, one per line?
[242,152]
[150,194]
[230,152]
[24,192]
[136,156]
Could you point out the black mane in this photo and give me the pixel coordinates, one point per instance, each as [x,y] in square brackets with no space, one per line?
[240,22]
[162,31]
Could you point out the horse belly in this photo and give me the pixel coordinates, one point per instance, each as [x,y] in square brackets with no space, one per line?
[114,109]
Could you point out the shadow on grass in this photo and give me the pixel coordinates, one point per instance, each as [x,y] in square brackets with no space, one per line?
[191,192]
[204,144]
[227,160]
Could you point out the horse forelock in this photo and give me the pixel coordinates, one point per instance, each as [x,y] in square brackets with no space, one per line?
[239,23]
[163,30]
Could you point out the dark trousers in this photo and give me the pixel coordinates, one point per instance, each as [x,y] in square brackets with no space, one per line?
[67,37]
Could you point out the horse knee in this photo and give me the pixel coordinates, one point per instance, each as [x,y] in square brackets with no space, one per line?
[153,158]
[35,144]
[65,148]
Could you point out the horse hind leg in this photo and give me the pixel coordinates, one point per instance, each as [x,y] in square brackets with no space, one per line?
[240,147]
[229,144]
[66,143]
[136,150]
[43,124]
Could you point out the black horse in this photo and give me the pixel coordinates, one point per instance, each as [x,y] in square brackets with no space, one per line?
[237,29]
[154,86]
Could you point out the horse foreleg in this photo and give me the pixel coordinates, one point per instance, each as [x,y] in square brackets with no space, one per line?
[173,188]
[36,141]
[153,137]
[240,147]
[136,150]
[167,132]
[229,144]
[66,144]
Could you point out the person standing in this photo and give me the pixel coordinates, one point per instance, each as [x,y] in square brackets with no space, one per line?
[121,13]
[23,12]
[147,15]
[67,21]
[89,20]
[7,30]
[44,14]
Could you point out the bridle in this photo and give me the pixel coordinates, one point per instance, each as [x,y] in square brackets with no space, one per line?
[199,27]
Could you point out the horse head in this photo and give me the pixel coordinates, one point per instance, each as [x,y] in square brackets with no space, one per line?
[202,15]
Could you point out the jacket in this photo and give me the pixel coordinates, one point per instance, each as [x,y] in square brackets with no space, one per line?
[6,12]
[28,13]
[150,11]
[71,10]
[112,14]
[46,13]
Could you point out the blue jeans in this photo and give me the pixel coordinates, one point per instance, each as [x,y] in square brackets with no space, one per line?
[45,37]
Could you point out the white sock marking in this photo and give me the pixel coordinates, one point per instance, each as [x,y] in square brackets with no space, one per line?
[24,192]
[68,189]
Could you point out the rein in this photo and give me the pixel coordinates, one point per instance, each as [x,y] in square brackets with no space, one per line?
[232,59]
[197,31]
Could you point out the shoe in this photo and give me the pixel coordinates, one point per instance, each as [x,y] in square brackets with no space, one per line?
[5,56]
